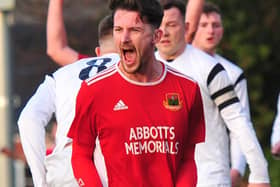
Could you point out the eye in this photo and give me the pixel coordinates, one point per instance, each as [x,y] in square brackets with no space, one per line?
[172,24]
[136,29]
[117,29]
[217,25]
[203,25]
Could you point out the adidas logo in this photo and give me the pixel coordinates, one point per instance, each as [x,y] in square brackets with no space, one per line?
[120,106]
[81,182]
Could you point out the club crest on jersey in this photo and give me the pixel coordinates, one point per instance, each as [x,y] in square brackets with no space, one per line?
[172,102]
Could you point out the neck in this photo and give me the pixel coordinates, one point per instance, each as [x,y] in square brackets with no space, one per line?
[148,72]
[171,57]
[210,52]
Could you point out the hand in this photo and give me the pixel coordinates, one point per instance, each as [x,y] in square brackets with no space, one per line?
[13,154]
[189,36]
[16,153]
[259,185]
[275,150]
[236,178]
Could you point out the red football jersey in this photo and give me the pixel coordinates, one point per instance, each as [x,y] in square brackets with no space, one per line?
[147,131]
[81,56]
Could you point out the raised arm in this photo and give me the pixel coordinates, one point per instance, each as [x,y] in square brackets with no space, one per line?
[57,42]
[193,11]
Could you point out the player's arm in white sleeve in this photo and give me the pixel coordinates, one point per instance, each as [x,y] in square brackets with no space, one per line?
[224,96]
[32,122]
[240,87]
[275,136]
[237,158]
[238,161]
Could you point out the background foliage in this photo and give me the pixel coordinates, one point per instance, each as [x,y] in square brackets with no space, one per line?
[251,40]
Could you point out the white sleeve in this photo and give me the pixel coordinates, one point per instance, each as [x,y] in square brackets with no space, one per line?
[32,122]
[238,123]
[275,136]
[238,160]
[242,93]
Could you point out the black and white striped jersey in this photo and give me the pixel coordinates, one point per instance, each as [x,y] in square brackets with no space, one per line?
[236,75]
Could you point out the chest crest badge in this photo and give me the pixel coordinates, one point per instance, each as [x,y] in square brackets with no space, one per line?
[172,102]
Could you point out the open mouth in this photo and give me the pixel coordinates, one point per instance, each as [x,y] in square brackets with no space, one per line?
[129,55]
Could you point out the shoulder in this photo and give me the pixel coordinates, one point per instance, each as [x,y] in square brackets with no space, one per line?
[228,65]
[207,66]
[70,68]
[187,84]
[172,71]
[96,86]
[184,81]
[87,67]
[199,58]
[102,76]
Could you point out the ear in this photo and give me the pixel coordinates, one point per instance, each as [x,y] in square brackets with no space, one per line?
[157,35]
[97,51]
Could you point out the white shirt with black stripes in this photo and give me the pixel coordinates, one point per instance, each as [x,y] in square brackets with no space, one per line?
[236,75]
[221,106]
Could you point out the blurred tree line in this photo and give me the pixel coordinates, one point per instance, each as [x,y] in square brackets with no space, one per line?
[251,40]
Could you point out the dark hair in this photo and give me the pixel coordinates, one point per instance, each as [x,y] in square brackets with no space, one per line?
[211,7]
[149,10]
[105,27]
[180,5]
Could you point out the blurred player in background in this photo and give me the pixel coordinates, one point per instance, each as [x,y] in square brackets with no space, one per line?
[57,96]
[221,105]
[207,38]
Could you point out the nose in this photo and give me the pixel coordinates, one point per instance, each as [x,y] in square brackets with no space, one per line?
[164,30]
[210,28]
[125,36]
